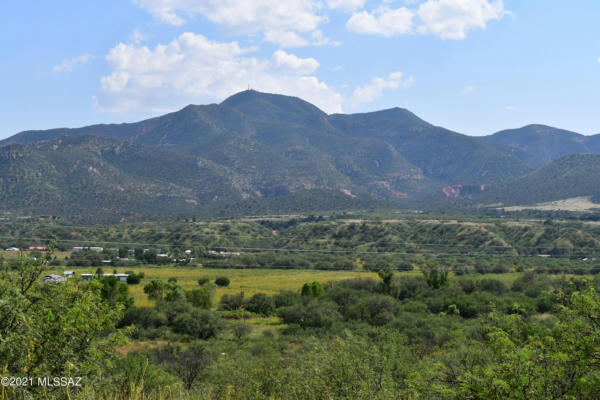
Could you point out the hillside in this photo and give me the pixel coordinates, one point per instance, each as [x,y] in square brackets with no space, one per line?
[537,145]
[98,178]
[257,152]
[573,175]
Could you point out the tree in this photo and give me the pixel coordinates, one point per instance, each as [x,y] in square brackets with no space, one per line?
[123,252]
[386,275]
[155,289]
[199,297]
[563,362]
[188,364]
[436,277]
[52,329]
[260,303]
[115,292]
[198,324]
[232,302]
[240,329]
[312,289]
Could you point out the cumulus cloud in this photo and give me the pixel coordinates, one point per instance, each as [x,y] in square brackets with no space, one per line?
[447,19]
[67,65]
[194,69]
[451,19]
[373,90]
[345,5]
[291,23]
[383,21]
[468,89]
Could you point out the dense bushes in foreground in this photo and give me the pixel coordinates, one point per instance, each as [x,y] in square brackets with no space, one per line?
[432,336]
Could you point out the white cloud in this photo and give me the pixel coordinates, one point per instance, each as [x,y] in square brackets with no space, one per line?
[383,21]
[292,23]
[286,38]
[68,64]
[137,37]
[509,108]
[283,60]
[451,19]
[599,59]
[345,5]
[370,92]
[468,89]
[194,69]
[447,19]
[247,16]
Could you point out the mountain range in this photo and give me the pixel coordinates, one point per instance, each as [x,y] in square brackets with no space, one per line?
[257,152]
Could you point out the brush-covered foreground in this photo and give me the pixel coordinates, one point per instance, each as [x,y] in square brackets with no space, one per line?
[426,334]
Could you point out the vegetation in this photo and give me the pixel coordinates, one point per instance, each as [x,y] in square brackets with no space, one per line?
[345,322]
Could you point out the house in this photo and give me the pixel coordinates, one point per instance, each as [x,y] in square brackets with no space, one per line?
[122,277]
[93,248]
[12,249]
[68,274]
[223,253]
[87,277]
[53,278]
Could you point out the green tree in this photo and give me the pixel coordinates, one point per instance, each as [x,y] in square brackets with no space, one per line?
[199,297]
[156,289]
[435,276]
[52,329]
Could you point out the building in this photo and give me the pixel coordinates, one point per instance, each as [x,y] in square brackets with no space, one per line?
[12,249]
[53,278]
[122,277]
[92,248]
[87,277]
[68,274]
[40,248]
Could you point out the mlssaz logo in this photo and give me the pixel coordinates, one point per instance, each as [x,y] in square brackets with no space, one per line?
[59,381]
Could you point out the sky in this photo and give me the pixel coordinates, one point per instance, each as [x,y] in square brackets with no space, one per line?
[473,66]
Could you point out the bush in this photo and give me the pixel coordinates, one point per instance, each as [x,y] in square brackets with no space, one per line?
[143,317]
[492,285]
[260,303]
[312,289]
[222,281]
[285,298]
[198,324]
[203,281]
[314,315]
[134,279]
[199,297]
[232,302]
[240,329]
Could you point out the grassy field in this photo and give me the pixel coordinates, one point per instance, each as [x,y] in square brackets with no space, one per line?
[250,281]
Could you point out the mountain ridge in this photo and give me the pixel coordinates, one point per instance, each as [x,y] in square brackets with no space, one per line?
[257,146]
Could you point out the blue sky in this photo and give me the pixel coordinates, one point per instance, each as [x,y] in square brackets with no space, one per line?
[474,66]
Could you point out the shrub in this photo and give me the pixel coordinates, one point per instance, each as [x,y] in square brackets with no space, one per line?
[222,281]
[240,329]
[285,298]
[232,302]
[260,303]
[199,297]
[198,324]
[312,289]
